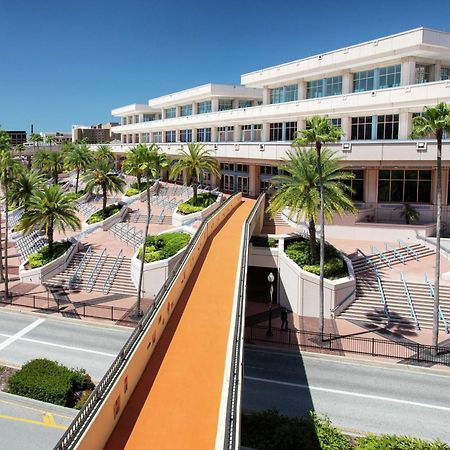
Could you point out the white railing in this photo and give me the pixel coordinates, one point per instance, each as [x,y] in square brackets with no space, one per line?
[112,273]
[95,270]
[440,313]
[409,300]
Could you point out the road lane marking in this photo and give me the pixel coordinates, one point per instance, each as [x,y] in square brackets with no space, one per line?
[34,422]
[66,347]
[352,394]
[20,333]
[40,410]
[48,419]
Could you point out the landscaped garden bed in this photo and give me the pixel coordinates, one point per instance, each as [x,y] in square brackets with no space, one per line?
[264,241]
[164,246]
[43,256]
[203,201]
[48,381]
[76,195]
[299,251]
[134,189]
[99,216]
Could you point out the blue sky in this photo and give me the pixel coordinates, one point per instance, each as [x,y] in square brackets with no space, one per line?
[70,62]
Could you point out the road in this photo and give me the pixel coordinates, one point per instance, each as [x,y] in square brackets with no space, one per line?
[73,343]
[357,396]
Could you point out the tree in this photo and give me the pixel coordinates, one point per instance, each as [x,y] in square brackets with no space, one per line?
[319,131]
[134,160]
[20,148]
[24,185]
[55,164]
[299,190]
[35,138]
[41,160]
[78,157]
[99,176]
[104,153]
[50,209]
[194,161]
[435,120]
[50,140]
[152,163]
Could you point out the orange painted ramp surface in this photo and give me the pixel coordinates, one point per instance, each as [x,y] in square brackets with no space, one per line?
[176,402]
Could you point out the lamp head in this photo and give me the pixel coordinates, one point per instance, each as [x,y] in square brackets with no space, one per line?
[270,278]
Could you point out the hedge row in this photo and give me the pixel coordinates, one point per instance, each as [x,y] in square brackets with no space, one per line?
[164,246]
[99,217]
[203,201]
[50,382]
[43,256]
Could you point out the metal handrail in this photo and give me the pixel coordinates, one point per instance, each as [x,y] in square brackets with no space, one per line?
[409,299]
[440,313]
[94,272]
[112,272]
[395,252]
[83,419]
[81,266]
[382,297]
[408,249]
[233,411]
[380,254]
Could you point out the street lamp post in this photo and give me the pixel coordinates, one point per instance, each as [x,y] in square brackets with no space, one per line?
[270,279]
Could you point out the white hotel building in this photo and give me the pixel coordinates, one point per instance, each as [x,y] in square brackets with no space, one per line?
[372,90]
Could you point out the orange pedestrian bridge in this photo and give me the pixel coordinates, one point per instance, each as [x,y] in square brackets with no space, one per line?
[176,384]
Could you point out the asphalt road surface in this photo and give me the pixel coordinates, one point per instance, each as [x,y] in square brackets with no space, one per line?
[357,396]
[75,344]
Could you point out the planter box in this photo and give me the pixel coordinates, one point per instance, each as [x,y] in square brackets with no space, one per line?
[84,198]
[40,274]
[187,219]
[156,273]
[263,256]
[106,224]
[142,196]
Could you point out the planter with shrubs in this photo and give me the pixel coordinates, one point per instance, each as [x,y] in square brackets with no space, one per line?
[114,214]
[187,212]
[133,193]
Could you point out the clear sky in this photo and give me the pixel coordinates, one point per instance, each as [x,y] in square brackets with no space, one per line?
[70,62]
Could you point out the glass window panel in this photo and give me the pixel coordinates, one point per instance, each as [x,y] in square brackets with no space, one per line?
[424,192]
[383,191]
[411,174]
[204,107]
[171,113]
[396,191]
[186,110]
[410,191]
[224,105]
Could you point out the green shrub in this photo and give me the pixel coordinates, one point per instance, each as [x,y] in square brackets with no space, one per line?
[203,201]
[43,256]
[82,400]
[299,251]
[99,217]
[164,246]
[131,191]
[264,241]
[76,195]
[49,381]
[270,430]
[387,442]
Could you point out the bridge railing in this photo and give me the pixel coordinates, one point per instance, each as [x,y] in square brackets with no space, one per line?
[96,421]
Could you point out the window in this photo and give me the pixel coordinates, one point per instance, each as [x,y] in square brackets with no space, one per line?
[242,168]
[171,136]
[204,107]
[251,133]
[186,110]
[245,104]
[284,94]
[124,120]
[136,119]
[171,113]
[185,135]
[225,134]
[204,135]
[145,139]
[276,132]
[149,117]
[226,167]
[333,86]
[242,184]
[361,128]
[268,170]
[157,136]
[225,105]
[404,186]
[387,126]
[445,73]
[124,138]
[337,122]
[357,184]
[423,73]
[290,131]
[363,81]
[227,182]
[264,185]
[314,89]
[389,77]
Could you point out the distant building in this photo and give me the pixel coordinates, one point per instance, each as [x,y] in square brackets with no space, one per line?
[17,137]
[60,137]
[95,134]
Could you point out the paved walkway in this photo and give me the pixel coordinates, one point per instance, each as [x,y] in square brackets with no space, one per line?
[176,403]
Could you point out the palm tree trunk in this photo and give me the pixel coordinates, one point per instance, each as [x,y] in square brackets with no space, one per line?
[322,240]
[6,237]
[2,275]
[312,241]
[437,272]
[50,238]
[105,194]
[77,180]
[141,272]
[195,189]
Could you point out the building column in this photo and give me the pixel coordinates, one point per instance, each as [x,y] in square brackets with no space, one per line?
[194,108]
[235,103]
[347,81]
[194,134]
[437,71]
[266,96]
[237,133]
[405,125]
[301,88]
[163,136]
[163,113]
[408,75]
[346,125]
[214,104]
[252,181]
[301,123]
[265,132]
[213,134]
[371,186]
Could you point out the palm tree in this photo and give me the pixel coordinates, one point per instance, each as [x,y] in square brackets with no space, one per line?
[299,190]
[105,153]
[50,209]
[24,185]
[99,176]
[78,157]
[319,131]
[50,140]
[194,161]
[134,160]
[152,161]
[20,148]
[35,138]
[55,164]
[435,120]
[41,160]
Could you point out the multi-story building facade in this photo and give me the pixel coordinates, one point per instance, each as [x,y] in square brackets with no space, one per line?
[17,137]
[101,133]
[59,136]
[372,90]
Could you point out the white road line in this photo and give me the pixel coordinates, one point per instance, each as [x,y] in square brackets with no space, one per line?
[20,333]
[67,347]
[352,394]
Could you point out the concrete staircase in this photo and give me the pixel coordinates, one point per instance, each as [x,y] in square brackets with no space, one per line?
[121,280]
[360,264]
[273,222]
